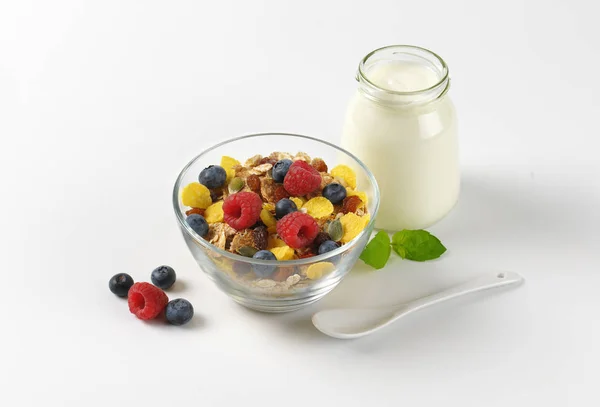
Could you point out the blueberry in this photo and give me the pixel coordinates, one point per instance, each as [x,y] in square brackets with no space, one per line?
[335,193]
[120,284]
[327,246]
[283,207]
[163,277]
[213,176]
[260,270]
[198,223]
[179,311]
[281,168]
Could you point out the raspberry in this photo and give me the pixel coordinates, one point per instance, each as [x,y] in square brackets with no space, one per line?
[146,301]
[253,183]
[280,193]
[301,179]
[198,211]
[297,229]
[242,210]
[351,204]
[319,165]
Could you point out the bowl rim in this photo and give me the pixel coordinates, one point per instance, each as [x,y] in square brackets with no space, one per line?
[236,257]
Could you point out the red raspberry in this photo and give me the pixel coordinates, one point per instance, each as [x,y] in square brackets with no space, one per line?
[146,301]
[301,179]
[297,229]
[242,210]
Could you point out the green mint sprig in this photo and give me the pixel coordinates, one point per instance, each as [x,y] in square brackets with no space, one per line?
[416,245]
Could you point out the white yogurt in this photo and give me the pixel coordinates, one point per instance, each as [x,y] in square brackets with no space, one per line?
[408,140]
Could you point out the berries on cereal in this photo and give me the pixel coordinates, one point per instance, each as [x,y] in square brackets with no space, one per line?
[335,193]
[278,207]
[280,169]
[198,224]
[297,229]
[263,270]
[242,210]
[327,246]
[301,179]
[283,207]
[213,176]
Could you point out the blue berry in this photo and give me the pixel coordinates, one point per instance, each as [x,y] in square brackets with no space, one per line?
[198,223]
[335,193]
[120,284]
[179,311]
[283,207]
[281,168]
[260,270]
[163,277]
[213,176]
[327,246]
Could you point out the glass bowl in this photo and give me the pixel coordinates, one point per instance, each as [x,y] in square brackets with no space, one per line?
[289,287]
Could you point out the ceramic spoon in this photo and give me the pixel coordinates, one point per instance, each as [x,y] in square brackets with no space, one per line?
[351,323]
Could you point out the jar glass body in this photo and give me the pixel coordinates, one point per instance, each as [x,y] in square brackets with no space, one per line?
[407,137]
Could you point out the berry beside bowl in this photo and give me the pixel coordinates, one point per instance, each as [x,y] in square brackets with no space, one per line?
[276,220]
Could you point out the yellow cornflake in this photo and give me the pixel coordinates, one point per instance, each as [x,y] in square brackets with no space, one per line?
[283,253]
[196,195]
[214,213]
[227,163]
[346,173]
[272,229]
[298,201]
[274,242]
[267,218]
[269,206]
[353,225]
[318,207]
[360,194]
[318,270]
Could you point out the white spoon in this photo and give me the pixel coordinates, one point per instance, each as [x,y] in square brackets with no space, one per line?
[351,323]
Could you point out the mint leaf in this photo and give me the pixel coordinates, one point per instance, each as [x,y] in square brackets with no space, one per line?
[378,250]
[417,245]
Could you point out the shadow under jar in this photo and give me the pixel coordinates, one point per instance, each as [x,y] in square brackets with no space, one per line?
[402,124]
[281,291]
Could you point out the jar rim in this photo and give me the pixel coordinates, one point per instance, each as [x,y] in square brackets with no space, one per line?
[444,77]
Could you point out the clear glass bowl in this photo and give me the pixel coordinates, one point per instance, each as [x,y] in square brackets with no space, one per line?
[288,288]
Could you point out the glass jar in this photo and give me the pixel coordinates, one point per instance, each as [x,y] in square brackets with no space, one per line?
[402,124]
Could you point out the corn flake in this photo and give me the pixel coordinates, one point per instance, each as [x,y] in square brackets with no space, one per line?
[196,195]
[214,213]
[353,225]
[318,207]
[318,270]
[228,163]
[346,173]
[298,201]
[283,253]
[274,242]
[267,218]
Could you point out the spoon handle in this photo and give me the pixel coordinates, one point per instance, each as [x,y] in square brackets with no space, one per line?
[478,284]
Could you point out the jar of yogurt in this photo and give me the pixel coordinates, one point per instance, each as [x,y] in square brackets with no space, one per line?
[402,124]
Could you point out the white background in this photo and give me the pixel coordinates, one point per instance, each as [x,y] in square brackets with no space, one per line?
[102,103]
